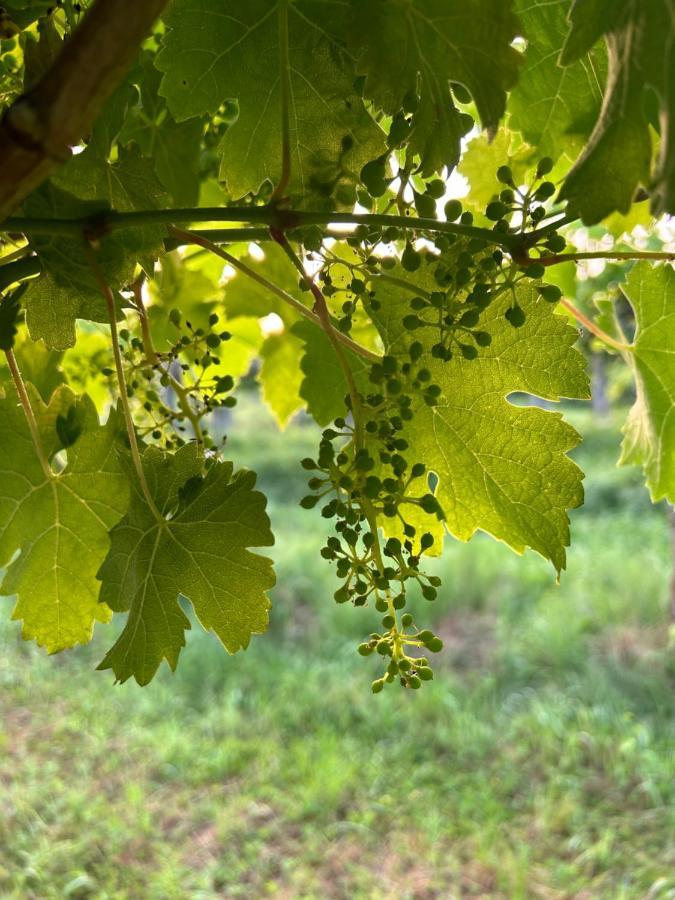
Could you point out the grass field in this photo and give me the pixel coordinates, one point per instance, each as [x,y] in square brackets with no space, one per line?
[538,764]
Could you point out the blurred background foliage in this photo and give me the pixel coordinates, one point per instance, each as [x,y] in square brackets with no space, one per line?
[539,763]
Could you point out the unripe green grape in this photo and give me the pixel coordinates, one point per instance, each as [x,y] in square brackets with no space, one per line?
[341,595]
[435,645]
[468,351]
[415,350]
[309,502]
[469,318]
[224,384]
[550,292]
[388,621]
[515,316]
[404,665]
[505,175]
[544,166]
[425,205]
[392,547]
[436,188]
[495,211]
[425,635]
[381,605]
[365,649]
[414,682]
[399,601]
[482,338]
[406,620]
[462,277]
[429,593]
[426,540]
[536,270]
[425,673]
[453,210]
[545,190]
[377,685]
[556,243]
[398,131]
[384,648]
[410,259]
[411,322]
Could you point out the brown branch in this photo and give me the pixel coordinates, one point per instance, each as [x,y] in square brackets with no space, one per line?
[39,129]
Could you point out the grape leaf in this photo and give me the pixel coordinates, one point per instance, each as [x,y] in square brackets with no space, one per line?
[650,429]
[553,106]
[174,147]
[67,289]
[199,552]
[501,468]
[60,524]
[415,50]
[210,55]
[280,375]
[617,158]
[324,386]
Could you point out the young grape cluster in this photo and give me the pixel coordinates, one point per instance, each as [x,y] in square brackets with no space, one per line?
[173,390]
[363,476]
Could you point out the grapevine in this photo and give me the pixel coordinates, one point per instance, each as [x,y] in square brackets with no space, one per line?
[312,181]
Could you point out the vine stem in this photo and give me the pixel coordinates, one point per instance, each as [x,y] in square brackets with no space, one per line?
[594,329]
[182,395]
[282,219]
[603,254]
[104,287]
[321,310]
[191,237]
[371,517]
[28,412]
[285,101]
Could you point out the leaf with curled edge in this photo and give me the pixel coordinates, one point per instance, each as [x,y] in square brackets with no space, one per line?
[416,50]
[640,36]
[649,432]
[59,524]
[199,551]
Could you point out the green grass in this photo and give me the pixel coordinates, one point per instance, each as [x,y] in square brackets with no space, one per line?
[539,763]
